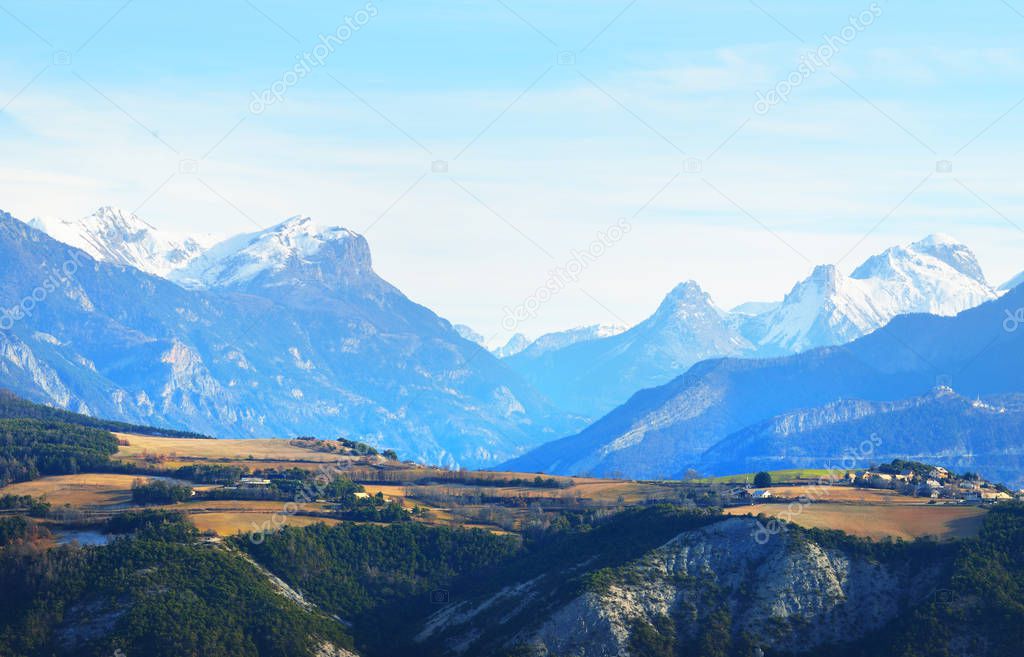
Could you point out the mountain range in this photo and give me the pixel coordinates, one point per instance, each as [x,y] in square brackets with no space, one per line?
[935,275]
[289,331]
[282,332]
[727,412]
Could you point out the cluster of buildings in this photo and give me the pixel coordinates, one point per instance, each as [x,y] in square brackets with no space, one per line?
[931,481]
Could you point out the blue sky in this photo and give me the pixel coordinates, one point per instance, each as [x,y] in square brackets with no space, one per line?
[556,121]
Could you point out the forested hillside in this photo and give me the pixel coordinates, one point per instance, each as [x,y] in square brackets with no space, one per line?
[657,582]
[34,448]
[158,593]
[13,406]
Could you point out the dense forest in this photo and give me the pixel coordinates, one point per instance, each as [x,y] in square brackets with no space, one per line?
[159,492]
[352,569]
[35,448]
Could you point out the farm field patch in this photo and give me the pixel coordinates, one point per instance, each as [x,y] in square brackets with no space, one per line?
[80,490]
[878,521]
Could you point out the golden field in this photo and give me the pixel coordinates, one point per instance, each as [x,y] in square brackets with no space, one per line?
[838,493]
[878,521]
[228,523]
[80,490]
[459,499]
[261,449]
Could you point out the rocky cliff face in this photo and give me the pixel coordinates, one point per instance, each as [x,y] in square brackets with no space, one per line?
[780,592]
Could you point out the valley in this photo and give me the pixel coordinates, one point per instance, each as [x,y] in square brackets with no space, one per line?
[499,502]
[511,329]
[353,551]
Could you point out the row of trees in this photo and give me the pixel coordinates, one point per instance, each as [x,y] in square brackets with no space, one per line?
[159,492]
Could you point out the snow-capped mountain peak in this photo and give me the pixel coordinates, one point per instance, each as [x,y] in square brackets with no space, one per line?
[935,253]
[936,275]
[823,308]
[302,236]
[296,248]
[123,238]
[952,252]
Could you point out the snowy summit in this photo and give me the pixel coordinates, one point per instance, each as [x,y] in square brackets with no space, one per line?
[122,238]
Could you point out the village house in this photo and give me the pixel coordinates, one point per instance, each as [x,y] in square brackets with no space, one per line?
[253,482]
[877,480]
[740,493]
[972,497]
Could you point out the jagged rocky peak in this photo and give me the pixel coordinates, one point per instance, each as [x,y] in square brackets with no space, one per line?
[683,299]
[120,237]
[827,276]
[690,291]
[825,281]
[515,345]
[297,250]
[825,284]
